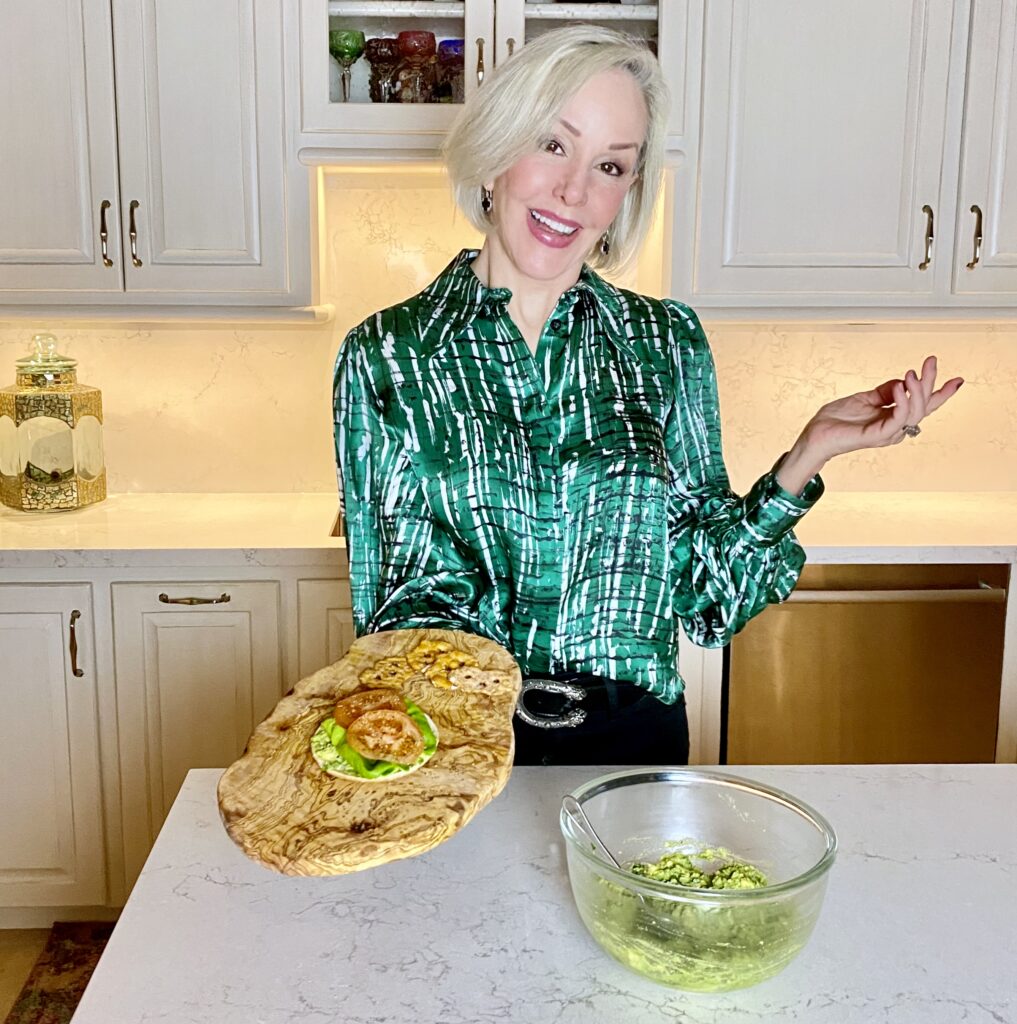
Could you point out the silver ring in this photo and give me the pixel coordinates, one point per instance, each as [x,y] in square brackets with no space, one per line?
[566,721]
[911,430]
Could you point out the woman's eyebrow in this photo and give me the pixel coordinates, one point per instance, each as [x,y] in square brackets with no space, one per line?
[615,145]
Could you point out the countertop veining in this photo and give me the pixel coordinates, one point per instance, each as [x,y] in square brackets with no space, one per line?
[917,926]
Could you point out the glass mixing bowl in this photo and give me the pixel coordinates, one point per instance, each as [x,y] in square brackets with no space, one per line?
[703,940]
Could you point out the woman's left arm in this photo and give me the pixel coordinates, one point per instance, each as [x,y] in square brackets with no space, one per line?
[870,419]
[728,556]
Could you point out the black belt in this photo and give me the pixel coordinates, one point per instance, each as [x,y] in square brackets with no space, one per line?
[556,699]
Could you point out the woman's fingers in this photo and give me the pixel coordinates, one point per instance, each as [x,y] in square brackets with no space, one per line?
[947,391]
[897,420]
[916,397]
[885,391]
[928,377]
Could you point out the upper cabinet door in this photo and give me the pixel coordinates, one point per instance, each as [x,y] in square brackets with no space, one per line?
[397,96]
[58,170]
[823,139]
[664,25]
[987,268]
[209,198]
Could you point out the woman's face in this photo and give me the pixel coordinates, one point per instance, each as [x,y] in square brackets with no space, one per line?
[553,205]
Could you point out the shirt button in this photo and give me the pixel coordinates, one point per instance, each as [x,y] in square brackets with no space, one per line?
[556,325]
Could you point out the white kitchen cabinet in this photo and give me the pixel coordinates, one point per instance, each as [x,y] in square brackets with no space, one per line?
[198,665]
[985,254]
[210,207]
[665,26]
[58,159]
[327,121]
[490,29]
[164,687]
[325,622]
[824,129]
[51,836]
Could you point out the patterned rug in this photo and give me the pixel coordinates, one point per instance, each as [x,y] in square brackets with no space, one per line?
[61,973]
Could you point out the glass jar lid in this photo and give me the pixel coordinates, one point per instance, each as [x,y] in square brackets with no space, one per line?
[44,357]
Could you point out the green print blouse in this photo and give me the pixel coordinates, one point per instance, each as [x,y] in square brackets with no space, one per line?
[574,507]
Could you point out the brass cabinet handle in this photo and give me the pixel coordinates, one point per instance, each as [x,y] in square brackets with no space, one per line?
[511,44]
[927,210]
[221,599]
[480,60]
[75,615]
[133,232]
[978,237]
[104,233]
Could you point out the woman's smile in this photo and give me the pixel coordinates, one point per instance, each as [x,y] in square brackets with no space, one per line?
[556,232]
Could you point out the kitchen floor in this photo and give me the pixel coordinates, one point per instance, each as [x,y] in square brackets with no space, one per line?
[19,949]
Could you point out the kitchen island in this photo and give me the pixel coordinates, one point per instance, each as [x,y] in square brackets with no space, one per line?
[919,922]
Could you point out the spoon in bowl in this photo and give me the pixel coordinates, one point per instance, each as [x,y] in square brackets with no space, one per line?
[574,809]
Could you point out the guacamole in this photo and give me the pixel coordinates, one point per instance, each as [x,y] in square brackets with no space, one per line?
[679,869]
[711,941]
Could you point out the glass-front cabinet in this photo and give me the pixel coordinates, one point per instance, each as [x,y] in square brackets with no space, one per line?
[391,74]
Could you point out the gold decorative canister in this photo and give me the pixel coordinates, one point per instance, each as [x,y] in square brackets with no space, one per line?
[50,435]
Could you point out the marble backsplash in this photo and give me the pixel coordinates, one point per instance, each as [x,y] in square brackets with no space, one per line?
[240,407]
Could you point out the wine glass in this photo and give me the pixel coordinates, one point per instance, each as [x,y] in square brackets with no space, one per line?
[346,45]
[382,54]
[415,76]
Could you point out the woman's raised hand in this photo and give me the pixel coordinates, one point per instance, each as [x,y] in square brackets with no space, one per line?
[873,419]
[868,419]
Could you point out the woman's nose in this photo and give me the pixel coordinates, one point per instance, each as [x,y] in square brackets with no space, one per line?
[572,188]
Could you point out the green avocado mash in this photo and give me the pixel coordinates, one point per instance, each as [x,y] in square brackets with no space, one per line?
[337,757]
[699,941]
[679,869]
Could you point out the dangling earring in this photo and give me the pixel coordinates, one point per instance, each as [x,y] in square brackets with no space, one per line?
[605,245]
[486,200]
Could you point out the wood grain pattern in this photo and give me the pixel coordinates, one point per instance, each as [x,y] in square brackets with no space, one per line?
[284,811]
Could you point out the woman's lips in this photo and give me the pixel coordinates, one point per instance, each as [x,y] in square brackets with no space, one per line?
[549,237]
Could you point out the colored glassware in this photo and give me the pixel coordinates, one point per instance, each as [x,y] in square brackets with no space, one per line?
[450,76]
[414,81]
[346,45]
[382,54]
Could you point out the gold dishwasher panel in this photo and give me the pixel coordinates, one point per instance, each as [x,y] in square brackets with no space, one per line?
[869,665]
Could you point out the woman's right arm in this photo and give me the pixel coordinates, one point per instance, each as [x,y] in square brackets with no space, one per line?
[404,572]
[365,456]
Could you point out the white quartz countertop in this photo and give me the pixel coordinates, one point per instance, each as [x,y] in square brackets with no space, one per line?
[876,526]
[918,927]
[128,522]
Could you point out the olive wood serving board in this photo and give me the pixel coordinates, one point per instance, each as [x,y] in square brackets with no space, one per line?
[283,810]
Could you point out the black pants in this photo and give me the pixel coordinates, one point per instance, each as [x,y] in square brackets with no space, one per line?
[624,725]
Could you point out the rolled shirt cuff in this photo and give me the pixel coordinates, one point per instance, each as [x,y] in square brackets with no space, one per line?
[771,512]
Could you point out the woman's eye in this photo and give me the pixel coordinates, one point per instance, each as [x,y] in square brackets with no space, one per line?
[552,146]
[615,170]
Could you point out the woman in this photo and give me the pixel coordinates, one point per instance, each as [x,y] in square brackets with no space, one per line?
[529,453]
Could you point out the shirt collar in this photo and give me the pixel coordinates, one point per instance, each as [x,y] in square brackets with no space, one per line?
[457,286]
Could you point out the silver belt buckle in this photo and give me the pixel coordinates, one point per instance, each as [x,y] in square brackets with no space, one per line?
[567,721]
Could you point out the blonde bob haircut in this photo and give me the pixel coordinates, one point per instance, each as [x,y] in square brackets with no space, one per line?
[508,116]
